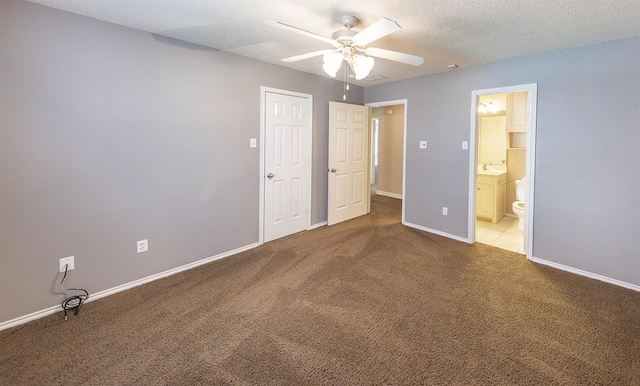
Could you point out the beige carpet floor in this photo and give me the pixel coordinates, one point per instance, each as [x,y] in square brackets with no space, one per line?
[365,302]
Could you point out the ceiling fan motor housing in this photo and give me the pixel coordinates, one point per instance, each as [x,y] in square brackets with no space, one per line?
[344,37]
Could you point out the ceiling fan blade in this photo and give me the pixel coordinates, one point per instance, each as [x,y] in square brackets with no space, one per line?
[395,56]
[301,32]
[375,31]
[306,56]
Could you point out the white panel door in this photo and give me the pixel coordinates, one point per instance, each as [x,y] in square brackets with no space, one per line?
[286,164]
[348,194]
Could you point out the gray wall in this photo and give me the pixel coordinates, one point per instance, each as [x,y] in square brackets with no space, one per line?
[110,135]
[587,201]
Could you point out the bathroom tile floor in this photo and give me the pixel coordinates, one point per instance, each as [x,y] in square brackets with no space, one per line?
[503,234]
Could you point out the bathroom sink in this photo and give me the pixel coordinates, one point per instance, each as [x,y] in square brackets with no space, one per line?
[491,172]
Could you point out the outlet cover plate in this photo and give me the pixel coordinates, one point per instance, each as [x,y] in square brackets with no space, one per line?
[142,246]
[65,261]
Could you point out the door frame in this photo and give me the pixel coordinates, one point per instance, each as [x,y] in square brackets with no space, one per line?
[405,103]
[529,164]
[263,93]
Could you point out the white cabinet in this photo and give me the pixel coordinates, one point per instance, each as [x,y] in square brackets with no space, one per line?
[484,200]
[518,117]
[490,195]
[518,111]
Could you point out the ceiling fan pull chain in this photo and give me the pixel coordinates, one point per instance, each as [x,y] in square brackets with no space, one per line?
[346,84]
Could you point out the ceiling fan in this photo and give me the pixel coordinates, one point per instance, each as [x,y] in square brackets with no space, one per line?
[350,46]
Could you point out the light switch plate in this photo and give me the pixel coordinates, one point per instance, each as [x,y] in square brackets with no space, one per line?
[465,145]
[253,142]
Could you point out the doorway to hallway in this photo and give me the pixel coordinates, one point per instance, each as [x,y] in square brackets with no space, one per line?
[388,146]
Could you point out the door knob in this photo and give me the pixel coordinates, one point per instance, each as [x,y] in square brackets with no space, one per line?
[333,170]
[270,175]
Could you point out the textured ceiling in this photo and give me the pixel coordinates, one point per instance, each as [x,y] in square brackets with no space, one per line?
[463,32]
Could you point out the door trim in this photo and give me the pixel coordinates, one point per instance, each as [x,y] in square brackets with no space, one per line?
[530,160]
[263,93]
[405,103]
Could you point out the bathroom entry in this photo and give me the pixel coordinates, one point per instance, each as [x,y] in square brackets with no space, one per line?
[502,121]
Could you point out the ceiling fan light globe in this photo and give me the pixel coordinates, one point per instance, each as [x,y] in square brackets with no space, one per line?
[362,65]
[332,62]
[332,71]
[333,59]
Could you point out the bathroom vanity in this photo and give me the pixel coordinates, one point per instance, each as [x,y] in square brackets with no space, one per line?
[490,195]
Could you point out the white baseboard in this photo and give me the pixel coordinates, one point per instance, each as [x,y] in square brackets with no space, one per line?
[51,310]
[540,261]
[437,232]
[586,273]
[32,316]
[388,194]
[98,295]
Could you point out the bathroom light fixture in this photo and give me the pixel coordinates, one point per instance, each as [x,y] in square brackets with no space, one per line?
[489,107]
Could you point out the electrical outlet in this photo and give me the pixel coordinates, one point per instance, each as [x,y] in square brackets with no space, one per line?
[65,261]
[423,144]
[142,246]
[445,211]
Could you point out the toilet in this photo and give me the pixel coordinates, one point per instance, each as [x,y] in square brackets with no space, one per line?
[518,205]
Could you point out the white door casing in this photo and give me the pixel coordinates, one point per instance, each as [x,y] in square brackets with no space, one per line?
[287,158]
[348,194]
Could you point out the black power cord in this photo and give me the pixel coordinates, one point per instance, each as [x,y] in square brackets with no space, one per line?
[72,302]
